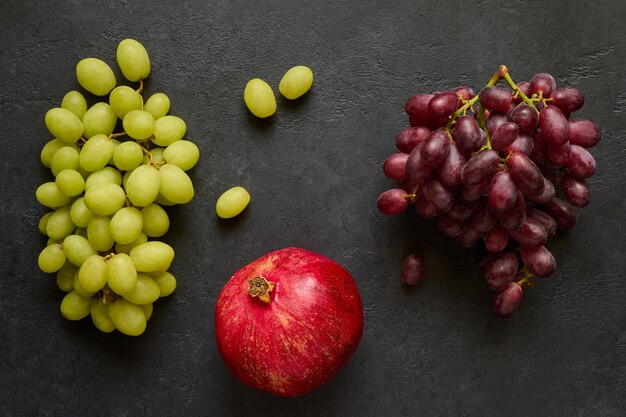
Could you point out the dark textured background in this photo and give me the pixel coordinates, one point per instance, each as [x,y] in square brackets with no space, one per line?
[314,173]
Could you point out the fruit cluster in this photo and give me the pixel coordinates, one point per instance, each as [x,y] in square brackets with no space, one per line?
[489,166]
[107,195]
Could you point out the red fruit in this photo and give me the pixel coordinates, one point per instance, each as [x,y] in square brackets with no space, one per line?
[300,326]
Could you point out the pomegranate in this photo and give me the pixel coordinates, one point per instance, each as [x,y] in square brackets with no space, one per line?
[287,322]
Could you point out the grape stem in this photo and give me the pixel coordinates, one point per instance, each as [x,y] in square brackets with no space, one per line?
[116,135]
[526,279]
[462,110]
[519,92]
[140,89]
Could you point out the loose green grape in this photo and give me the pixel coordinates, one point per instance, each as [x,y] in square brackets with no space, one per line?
[175,184]
[52,258]
[92,273]
[158,105]
[121,274]
[119,248]
[166,283]
[232,202]
[99,120]
[168,129]
[100,316]
[259,98]
[124,99]
[80,290]
[127,317]
[182,153]
[106,175]
[156,156]
[75,307]
[50,148]
[152,256]
[296,82]
[95,76]
[64,125]
[147,310]
[155,220]
[70,182]
[65,276]
[143,185]
[49,195]
[65,158]
[77,248]
[79,213]
[75,102]
[138,124]
[96,153]
[146,291]
[127,156]
[43,222]
[133,60]
[162,201]
[105,199]
[60,224]
[99,233]
[126,225]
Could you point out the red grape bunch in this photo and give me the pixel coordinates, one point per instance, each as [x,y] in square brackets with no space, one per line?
[490,167]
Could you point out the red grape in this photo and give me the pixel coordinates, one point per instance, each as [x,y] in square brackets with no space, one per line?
[417,108]
[561,212]
[496,239]
[499,269]
[545,196]
[583,133]
[526,118]
[568,99]
[495,120]
[502,191]
[530,234]
[449,226]
[467,134]
[461,209]
[539,155]
[416,167]
[526,174]
[438,194]
[513,218]
[504,135]
[413,269]
[473,192]
[468,237]
[576,190]
[443,104]
[392,201]
[484,217]
[525,87]
[495,98]
[450,169]
[409,138]
[545,219]
[554,126]
[539,261]
[559,155]
[524,144]
[581,163]
[507,301]
[425,208]
[395,166]
[543,83]
[464,93]
[480,167]
[435,148]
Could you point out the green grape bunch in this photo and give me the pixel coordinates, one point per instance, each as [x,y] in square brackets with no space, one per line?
[108,194]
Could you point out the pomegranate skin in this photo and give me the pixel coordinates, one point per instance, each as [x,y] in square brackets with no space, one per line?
[303,336]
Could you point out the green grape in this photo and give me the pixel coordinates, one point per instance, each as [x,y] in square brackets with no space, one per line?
[124,99]
[119,248]
[65,158]
[64,125]
[95,76]
[79,213]
[49,195]
[133,60]
[168,129]
[121,273]
[105,199]
[232,202]
[146,291]
[77,248]
[43,222]
[75,307]
[175,185]
[166,283]
[138,124]
[70,182]
[156,154]
[147,310]
[152,256]
[158,105]
[96,153]
[127,317]
[182,153]
[127,156]
[51,258]
[162,201]
[99,119]
[99,233]
[80,290]
[100,316]
[50,148]
[126,225]
[75,102]
[106,175]
[65,276]
[296,82]
[142,185]
[92,274]
[155,220]
[259,98]
[60,224]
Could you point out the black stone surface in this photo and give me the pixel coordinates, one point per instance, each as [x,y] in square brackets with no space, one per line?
[314,173]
